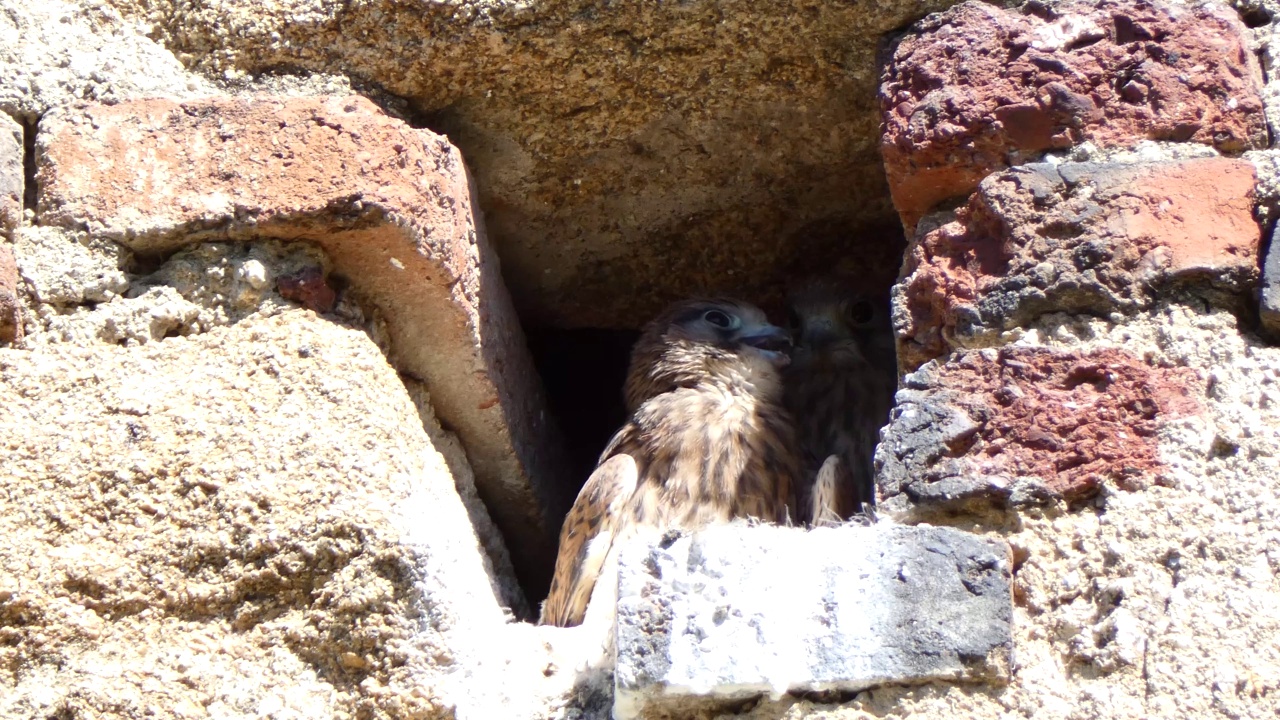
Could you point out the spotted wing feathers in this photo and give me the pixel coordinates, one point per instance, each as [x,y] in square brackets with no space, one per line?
[587,537]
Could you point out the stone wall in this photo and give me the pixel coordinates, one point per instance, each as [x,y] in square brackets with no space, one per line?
[1084,377]
[274,445]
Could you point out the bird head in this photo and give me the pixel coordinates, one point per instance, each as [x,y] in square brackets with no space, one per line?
[836,326]
[717,341]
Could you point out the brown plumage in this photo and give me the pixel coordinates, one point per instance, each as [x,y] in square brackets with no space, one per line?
[708,441]
[839,388]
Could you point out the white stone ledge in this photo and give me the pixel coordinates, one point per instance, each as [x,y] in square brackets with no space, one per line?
[736,612]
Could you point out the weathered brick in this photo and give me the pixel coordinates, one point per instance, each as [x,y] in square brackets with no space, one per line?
[990,428]
[738,612]
[392,206]
[978,88]
[1076,237]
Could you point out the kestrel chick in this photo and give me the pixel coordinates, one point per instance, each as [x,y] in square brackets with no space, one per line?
[839,388]
[708,441]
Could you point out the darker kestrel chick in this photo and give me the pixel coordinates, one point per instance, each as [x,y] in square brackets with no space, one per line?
[708,441]
[839,388]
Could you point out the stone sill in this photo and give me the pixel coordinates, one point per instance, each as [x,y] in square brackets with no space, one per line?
[738,611]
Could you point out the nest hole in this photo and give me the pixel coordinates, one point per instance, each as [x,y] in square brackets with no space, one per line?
[583,369]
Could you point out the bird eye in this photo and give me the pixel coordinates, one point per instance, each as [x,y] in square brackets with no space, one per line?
[861,312]
[717,318]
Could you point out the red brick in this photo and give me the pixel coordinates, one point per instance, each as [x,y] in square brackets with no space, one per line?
[979,88]
[392,206]
[1081,237]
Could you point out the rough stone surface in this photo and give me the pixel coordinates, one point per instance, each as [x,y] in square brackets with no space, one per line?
[1260,16]
[1020,425]
[1269,289]
[11,192]
[217,524]
[1267,165]
[10,308]
[625,156]
[54,52]
[12,178]
[389,205]
[64,268]
[737,612]
[1079,237]
[979,88]
[197,349]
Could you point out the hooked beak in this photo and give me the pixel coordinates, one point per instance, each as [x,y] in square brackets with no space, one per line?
[818,333]
[772,341]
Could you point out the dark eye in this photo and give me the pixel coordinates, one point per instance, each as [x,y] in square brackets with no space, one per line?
[717,318]
[861,312]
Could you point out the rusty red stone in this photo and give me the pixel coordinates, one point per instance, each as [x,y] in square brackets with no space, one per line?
[979,88]
[986,427]
[1073,420]
[1084,237]
[310,288]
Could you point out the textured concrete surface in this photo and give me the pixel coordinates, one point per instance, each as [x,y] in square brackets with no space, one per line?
[216,524]
[1077,237]
[242,510]
[55,52]
[390,205]
[979,88]
[737,612]
[12,179]
[625,156]
[79,295]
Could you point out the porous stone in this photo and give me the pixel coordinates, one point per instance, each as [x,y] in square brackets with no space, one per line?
[979,88]
[218,524]
[12,175]
[1267,165]
[67,268]
[11,193]
[54,52]
[1269,289]
[1076,237]
[991,429]
[10,308]
[1138,604]
[392,209]
[1260,16]
[80,293]
[626,157]
[738,612]
[238,351]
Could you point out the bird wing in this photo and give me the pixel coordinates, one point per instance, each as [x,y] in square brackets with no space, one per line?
[831,500]
[587,537]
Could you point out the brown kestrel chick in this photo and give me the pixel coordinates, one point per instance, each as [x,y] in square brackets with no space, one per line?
[839,388]
[708,441]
